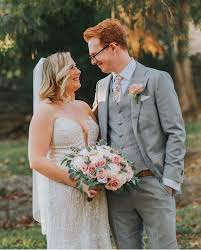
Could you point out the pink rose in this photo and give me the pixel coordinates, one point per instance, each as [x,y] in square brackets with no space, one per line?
[113,184]
[100,163]
[102,176]
[113,171]
[91,171]
[135,89]
[84,168]
[129,174]
[116,159]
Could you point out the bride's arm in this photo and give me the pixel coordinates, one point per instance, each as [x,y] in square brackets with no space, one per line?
[40,134]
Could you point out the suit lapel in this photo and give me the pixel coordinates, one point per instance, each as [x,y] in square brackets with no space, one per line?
[139,78]
[103,98]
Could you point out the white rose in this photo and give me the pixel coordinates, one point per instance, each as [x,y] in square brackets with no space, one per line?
[77,162]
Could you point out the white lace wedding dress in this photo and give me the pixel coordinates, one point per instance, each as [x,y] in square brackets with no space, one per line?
[71,221]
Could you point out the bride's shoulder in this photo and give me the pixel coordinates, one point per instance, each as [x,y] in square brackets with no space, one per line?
[45,109]
[87,109]
[83,105]
[45,106]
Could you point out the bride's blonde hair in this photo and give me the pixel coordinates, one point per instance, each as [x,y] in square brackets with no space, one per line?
[55,77]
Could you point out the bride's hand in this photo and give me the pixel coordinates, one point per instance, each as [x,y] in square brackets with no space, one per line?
[91,193]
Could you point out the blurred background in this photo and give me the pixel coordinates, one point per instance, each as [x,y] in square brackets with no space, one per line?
[163,34]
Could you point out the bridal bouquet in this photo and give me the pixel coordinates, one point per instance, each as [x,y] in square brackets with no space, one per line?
[99,165]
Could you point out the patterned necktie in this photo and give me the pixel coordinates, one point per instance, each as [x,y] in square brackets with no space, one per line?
[117,88]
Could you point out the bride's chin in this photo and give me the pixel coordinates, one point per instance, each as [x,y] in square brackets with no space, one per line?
[78,86]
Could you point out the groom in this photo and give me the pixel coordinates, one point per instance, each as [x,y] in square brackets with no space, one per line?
[147,129]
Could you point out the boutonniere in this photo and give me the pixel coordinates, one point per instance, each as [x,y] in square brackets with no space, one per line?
[135,90]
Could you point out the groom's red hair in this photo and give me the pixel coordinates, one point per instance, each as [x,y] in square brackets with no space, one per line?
[108,31]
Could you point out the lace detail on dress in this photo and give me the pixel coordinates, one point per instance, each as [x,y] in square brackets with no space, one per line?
[72,221]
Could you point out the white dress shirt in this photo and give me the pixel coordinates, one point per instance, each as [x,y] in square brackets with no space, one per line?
[126,75]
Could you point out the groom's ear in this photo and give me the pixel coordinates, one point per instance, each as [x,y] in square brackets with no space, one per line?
[114,46]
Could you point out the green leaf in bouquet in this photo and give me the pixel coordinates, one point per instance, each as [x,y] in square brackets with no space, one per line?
[68,162]
[108,160]
[129,186]
[102,142]
[64,160]
[79,186]
[72,176]
[135,181]
[71,155]
[138,180]
[93,184]
[107,167]
[70,171]
[120,190]
[123,164]
[88,148]
[97,170]
[75,150]
[86,181]
[87,160]
[78,175]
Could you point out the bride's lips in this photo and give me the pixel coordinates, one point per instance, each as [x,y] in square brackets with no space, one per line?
[76,78]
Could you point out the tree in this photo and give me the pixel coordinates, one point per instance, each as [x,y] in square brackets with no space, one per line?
[161,29]
[39,28]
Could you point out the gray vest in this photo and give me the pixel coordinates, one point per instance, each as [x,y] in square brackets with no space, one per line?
[120,130]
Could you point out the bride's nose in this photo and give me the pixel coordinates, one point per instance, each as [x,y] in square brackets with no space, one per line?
[78,71]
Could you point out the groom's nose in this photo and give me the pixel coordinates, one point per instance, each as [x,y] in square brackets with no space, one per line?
[93,61]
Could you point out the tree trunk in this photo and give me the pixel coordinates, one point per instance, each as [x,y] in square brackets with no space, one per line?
[182,68]
[185,87]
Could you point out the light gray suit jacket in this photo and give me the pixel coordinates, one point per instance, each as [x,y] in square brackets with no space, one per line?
[156,120]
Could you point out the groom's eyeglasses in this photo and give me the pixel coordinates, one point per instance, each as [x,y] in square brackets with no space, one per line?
[93,57]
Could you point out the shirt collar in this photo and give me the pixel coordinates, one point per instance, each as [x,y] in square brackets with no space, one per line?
[127,72]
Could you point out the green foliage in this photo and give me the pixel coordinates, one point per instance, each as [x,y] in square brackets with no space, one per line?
[195,13]
[13,157]
[189,219]
[22,238]
[189,227]
[193,130]
[188,232]
[40,28]
[196,62]
[166,20]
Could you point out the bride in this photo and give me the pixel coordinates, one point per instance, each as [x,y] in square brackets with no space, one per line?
[59,122]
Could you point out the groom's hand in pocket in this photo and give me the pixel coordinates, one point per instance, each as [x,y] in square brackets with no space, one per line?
[168,189]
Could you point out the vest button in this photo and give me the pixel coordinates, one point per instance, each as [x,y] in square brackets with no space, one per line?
[120,123]
[120,136]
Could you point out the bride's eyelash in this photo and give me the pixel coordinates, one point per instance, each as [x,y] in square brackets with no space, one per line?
[72,66]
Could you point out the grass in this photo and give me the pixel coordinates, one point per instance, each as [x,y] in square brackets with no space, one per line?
[13,157]
[22,238]
[193,130]
[188,232]
[13,161]
[189,227]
